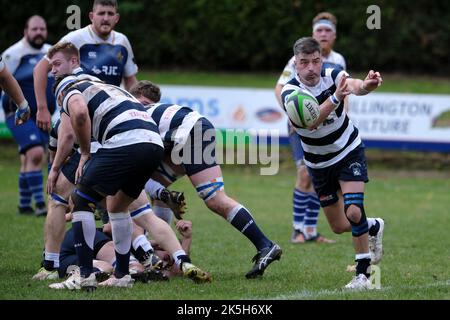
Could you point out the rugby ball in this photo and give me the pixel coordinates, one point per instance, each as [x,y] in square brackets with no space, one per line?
[302,109]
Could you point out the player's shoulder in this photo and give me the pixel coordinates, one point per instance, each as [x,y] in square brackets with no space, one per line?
[14,51]
[290,86]
[78,37]
[121,38]
[46,47]
[337,59]
[291,61]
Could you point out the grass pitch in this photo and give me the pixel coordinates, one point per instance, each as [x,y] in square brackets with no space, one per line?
[415,265]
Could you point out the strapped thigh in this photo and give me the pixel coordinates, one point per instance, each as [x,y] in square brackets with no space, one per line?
[208,190]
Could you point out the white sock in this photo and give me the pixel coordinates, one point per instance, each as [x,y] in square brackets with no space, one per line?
[176,254]
[142,241]
[51,256]
[122,228]
[163,213]
[153,188]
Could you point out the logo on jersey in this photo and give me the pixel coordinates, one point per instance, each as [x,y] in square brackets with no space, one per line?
[119,57]
[327,93]
[33,61]
[96,70]
[92,55]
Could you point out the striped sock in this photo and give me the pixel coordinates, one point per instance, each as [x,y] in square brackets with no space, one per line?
[300,203]
[312,214]
[24,191]
[35,182]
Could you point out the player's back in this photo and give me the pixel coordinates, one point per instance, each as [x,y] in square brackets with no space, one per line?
[174,122]
[117,118]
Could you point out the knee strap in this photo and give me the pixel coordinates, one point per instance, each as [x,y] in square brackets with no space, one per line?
[361,227]
[145,209]
[85,199]
[209,189]
[58,200]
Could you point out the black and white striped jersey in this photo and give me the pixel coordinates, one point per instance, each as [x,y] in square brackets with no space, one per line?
[53,140]
[117,118]
[336,136]
[174,122]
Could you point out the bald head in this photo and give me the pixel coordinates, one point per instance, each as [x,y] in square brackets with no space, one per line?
[36,31]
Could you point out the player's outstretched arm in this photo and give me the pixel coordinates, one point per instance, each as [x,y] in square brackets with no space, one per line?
[369,84]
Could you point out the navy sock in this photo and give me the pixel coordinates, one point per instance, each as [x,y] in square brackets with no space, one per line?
[362,266]
[84,253]
[122,264]
[243,221]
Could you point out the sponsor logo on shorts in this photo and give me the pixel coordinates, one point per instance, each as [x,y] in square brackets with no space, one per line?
[356,169]
[326,198]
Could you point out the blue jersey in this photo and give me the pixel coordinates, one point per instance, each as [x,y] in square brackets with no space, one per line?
[117,118]
[21,59]
[109,60]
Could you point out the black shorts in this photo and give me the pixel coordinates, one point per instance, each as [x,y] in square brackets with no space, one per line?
[70,167]
[126,168]
[200,148]
[68,255]
[326,181]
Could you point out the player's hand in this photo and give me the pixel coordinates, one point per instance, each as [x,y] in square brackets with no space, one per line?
[372,81]
[342,89]
[83,159]
[51,180]
[43,119]
[22,114]
[184,227]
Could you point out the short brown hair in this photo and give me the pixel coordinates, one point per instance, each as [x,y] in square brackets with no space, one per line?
[147,89]
[67,48]
[325,16]
[109,3]
[306,45]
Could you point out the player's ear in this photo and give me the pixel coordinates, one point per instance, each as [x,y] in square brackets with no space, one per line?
[91,16]
[117,18]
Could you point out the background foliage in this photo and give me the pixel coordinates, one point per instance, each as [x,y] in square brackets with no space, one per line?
[257,35]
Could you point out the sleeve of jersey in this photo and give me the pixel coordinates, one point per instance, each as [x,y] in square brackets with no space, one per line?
[337,74]
[10,61]
[130,67]
[287,90]
[288,73]
[66,97]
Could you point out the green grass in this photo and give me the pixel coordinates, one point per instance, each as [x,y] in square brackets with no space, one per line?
[391,82]
[415,264]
